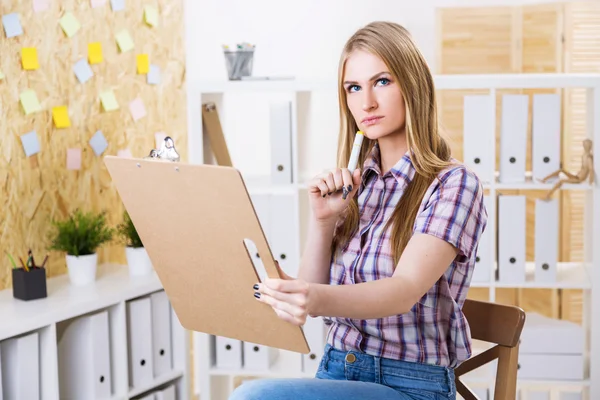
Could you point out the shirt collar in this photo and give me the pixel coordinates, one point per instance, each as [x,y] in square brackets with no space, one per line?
[402,171]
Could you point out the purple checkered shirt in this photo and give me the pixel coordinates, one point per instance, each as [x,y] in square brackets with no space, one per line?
[435,330]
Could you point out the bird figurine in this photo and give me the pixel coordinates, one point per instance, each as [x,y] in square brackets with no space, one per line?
[167,150]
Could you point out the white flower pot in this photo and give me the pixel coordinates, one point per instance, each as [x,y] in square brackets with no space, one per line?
[138,261]
[82,269]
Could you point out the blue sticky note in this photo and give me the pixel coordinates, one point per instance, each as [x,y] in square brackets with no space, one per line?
[98,143]
[12,25]
[82,70]
[117,5]
[31,144]
[154,75]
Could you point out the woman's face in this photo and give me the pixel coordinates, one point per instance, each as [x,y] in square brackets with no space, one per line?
[373,97]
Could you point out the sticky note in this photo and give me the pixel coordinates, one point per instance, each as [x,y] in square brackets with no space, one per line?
[153,76]
[124,41]
[143,65]
[1,75]
[97,3]
[109,101]
[73,159]
[124,153]
[82,70]
[30,142]
[137,109]
[30,102]
[69,24]
[98,143]
[29,58]
[151,15]
[12,25]
[159,138]
[60,115]
[40,5]
[95,53]
[117,5]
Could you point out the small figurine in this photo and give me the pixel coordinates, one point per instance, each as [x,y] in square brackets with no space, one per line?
[586,171]
[166,152]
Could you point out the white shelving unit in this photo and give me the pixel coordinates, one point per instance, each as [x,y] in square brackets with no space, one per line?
[82,336]
[213,382]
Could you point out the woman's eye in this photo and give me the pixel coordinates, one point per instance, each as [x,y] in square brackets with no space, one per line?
[351,87]
[383,81]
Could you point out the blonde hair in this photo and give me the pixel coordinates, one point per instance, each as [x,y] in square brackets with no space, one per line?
[428,151]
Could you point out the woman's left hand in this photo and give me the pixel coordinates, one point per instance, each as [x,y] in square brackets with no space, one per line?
[290,298]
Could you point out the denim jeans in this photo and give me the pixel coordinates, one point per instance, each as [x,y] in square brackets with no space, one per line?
[353,375]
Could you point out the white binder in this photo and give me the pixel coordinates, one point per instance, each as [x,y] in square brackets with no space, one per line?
[284,232]
[229,353]
[483,269]
[545,134]
[479,121]
[513,140]
[21,367]
[84,357]
[315,336]
[281,142]
[259,357]
[511,238]
[167,393]
[139,337]
[538,395]
[551,366]
[546,239]
[161,333]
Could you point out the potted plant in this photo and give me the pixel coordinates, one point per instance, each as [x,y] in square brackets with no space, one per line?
[79,237]
[137,257]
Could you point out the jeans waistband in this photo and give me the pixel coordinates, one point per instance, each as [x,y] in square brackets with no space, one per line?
[438,373]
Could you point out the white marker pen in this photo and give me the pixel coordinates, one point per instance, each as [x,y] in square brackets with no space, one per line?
[358,139]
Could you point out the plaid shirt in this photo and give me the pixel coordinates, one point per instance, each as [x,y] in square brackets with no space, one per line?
[435,330]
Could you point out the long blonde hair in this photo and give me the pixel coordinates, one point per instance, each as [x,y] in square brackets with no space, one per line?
[429,152]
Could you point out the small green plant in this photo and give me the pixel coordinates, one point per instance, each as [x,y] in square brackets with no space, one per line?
[81,234]
[128,232]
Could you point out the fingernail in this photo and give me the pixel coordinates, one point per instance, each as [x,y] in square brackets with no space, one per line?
[257,295]
[324,195]
[329,193]
[255,287]
[349,188]
[344,193]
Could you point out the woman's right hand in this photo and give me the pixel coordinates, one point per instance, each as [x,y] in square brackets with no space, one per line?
[325,192]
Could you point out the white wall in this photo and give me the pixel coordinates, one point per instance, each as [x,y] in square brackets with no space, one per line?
[300,38]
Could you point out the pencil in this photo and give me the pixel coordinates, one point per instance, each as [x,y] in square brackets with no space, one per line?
[12,260]
[44,262]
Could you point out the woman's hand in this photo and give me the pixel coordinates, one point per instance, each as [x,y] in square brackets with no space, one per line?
[326,192]
[290,298]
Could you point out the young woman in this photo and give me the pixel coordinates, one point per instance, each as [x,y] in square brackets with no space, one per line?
[389,267]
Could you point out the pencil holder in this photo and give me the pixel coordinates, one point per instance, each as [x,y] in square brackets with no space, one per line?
[239,63]
[29,285]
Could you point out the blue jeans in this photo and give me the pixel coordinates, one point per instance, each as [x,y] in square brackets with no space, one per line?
[353,375]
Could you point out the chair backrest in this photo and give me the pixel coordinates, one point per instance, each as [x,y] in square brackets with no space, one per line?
[501,325]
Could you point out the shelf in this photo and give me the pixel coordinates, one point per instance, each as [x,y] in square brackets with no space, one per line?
[65,301]
[568,276]
[279,369]
[171,376]
[529,185]
[273,85]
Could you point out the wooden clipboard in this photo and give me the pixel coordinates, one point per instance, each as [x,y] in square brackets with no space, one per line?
[193,220]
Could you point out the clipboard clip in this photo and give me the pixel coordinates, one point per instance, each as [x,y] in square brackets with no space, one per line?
[210,107]
[166,152]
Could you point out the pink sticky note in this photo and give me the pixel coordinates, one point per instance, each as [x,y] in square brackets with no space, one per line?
[137,109]
[98,3]
[73,158]
[159,137]
[125,153]
[40,5]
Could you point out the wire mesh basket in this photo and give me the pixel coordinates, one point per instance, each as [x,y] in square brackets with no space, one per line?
[239,62]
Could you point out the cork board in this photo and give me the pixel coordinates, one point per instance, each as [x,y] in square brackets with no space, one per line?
[203,258]
[38,188]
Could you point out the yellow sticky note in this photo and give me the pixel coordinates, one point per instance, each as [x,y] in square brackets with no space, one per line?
[29,58]
[109,101]
[30,102]
[143,64]
[95,53]
[151,15]
[60,115]
[69,24]
[124,41]
[1,75]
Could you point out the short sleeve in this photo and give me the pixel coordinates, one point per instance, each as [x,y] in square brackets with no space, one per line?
[455,211]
